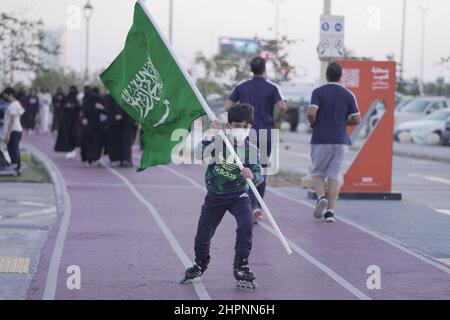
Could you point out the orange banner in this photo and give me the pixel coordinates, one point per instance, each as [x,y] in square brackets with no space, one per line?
[374,85]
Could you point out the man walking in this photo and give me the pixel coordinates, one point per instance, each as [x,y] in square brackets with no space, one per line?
[263,95]
[332,109]
[12,128]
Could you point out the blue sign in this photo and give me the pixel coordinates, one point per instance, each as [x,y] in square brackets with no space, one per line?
[325,26]
[338,27]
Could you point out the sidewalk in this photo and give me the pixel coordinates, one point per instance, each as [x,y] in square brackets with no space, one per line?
[27,214]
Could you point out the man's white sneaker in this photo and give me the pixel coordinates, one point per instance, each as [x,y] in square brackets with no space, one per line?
[321,205]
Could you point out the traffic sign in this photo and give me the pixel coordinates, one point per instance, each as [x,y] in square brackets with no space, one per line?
[331,43]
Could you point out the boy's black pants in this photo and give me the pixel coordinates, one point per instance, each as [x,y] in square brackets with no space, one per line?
[13,148]
[212,213]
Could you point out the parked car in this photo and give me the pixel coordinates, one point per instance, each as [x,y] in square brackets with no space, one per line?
[420,130]
[401,100]
[3,105]
[418,108]
[445,137]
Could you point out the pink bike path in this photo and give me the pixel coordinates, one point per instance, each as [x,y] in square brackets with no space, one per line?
[131,235]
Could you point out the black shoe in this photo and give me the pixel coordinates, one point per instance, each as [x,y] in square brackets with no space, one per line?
[329,216]
[244,276]
[195,271]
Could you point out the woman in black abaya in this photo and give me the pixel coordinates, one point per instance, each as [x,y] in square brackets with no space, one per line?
[93,121]
[69,112]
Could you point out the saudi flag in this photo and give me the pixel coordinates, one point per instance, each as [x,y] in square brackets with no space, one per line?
[148,83]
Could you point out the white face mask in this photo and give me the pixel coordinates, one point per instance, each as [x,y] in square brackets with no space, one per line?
[240,134]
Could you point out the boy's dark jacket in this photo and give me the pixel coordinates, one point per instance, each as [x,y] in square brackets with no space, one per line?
[224,177]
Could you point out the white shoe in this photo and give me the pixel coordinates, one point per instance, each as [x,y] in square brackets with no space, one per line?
[321,205]
[257,215]
[71,154]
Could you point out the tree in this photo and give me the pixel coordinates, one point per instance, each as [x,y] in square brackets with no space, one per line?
[445,62]
[281,64]
[218,75]
[350,54]
[402,86]
[53,79]
[24,46]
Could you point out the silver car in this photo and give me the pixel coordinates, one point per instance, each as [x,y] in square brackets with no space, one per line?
[418,108]
[420,130]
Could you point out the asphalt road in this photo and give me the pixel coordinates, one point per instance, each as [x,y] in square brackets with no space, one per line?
[424,182]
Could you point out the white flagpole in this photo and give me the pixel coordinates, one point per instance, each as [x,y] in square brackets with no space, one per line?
[213,117]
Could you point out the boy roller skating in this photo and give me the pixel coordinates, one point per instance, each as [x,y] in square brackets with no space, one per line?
[227,191]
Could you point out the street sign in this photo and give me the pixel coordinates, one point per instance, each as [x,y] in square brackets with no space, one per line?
[331,43]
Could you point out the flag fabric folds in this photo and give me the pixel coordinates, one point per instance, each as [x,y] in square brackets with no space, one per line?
[148,84]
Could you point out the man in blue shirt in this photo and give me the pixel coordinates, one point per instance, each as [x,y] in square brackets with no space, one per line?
[332,109]
[263,95]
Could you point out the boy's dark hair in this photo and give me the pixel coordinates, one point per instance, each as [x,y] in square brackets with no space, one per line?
[334,72]
[258,66]
[9,91]
[240,113]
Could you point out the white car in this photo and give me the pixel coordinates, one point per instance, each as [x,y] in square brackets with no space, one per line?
[422,131]
[418,108]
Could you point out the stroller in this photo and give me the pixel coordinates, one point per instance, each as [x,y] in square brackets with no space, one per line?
[6,168]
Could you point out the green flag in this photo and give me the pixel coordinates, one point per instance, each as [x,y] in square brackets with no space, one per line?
[149,85]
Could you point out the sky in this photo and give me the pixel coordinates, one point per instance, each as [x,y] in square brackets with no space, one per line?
[372,28]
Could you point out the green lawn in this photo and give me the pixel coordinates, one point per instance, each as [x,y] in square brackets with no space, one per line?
[32,171]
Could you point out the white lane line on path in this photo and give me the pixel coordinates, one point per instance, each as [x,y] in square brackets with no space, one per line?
[372,233]
[120,185]
[64,208]
[430,178]
[341,281]
[444,211]
[198,284]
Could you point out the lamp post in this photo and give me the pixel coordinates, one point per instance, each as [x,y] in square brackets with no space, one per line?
[171,22]
[422,49]
[87,10]
[277,17]
[402,48]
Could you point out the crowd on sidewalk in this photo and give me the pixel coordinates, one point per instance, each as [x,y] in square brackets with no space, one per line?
[88,120]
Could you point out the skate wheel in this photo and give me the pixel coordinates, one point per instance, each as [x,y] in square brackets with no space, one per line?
[241,284]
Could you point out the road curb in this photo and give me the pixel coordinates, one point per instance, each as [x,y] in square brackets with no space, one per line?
[416,156]
[55,177]
[63,207]
[396,152]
